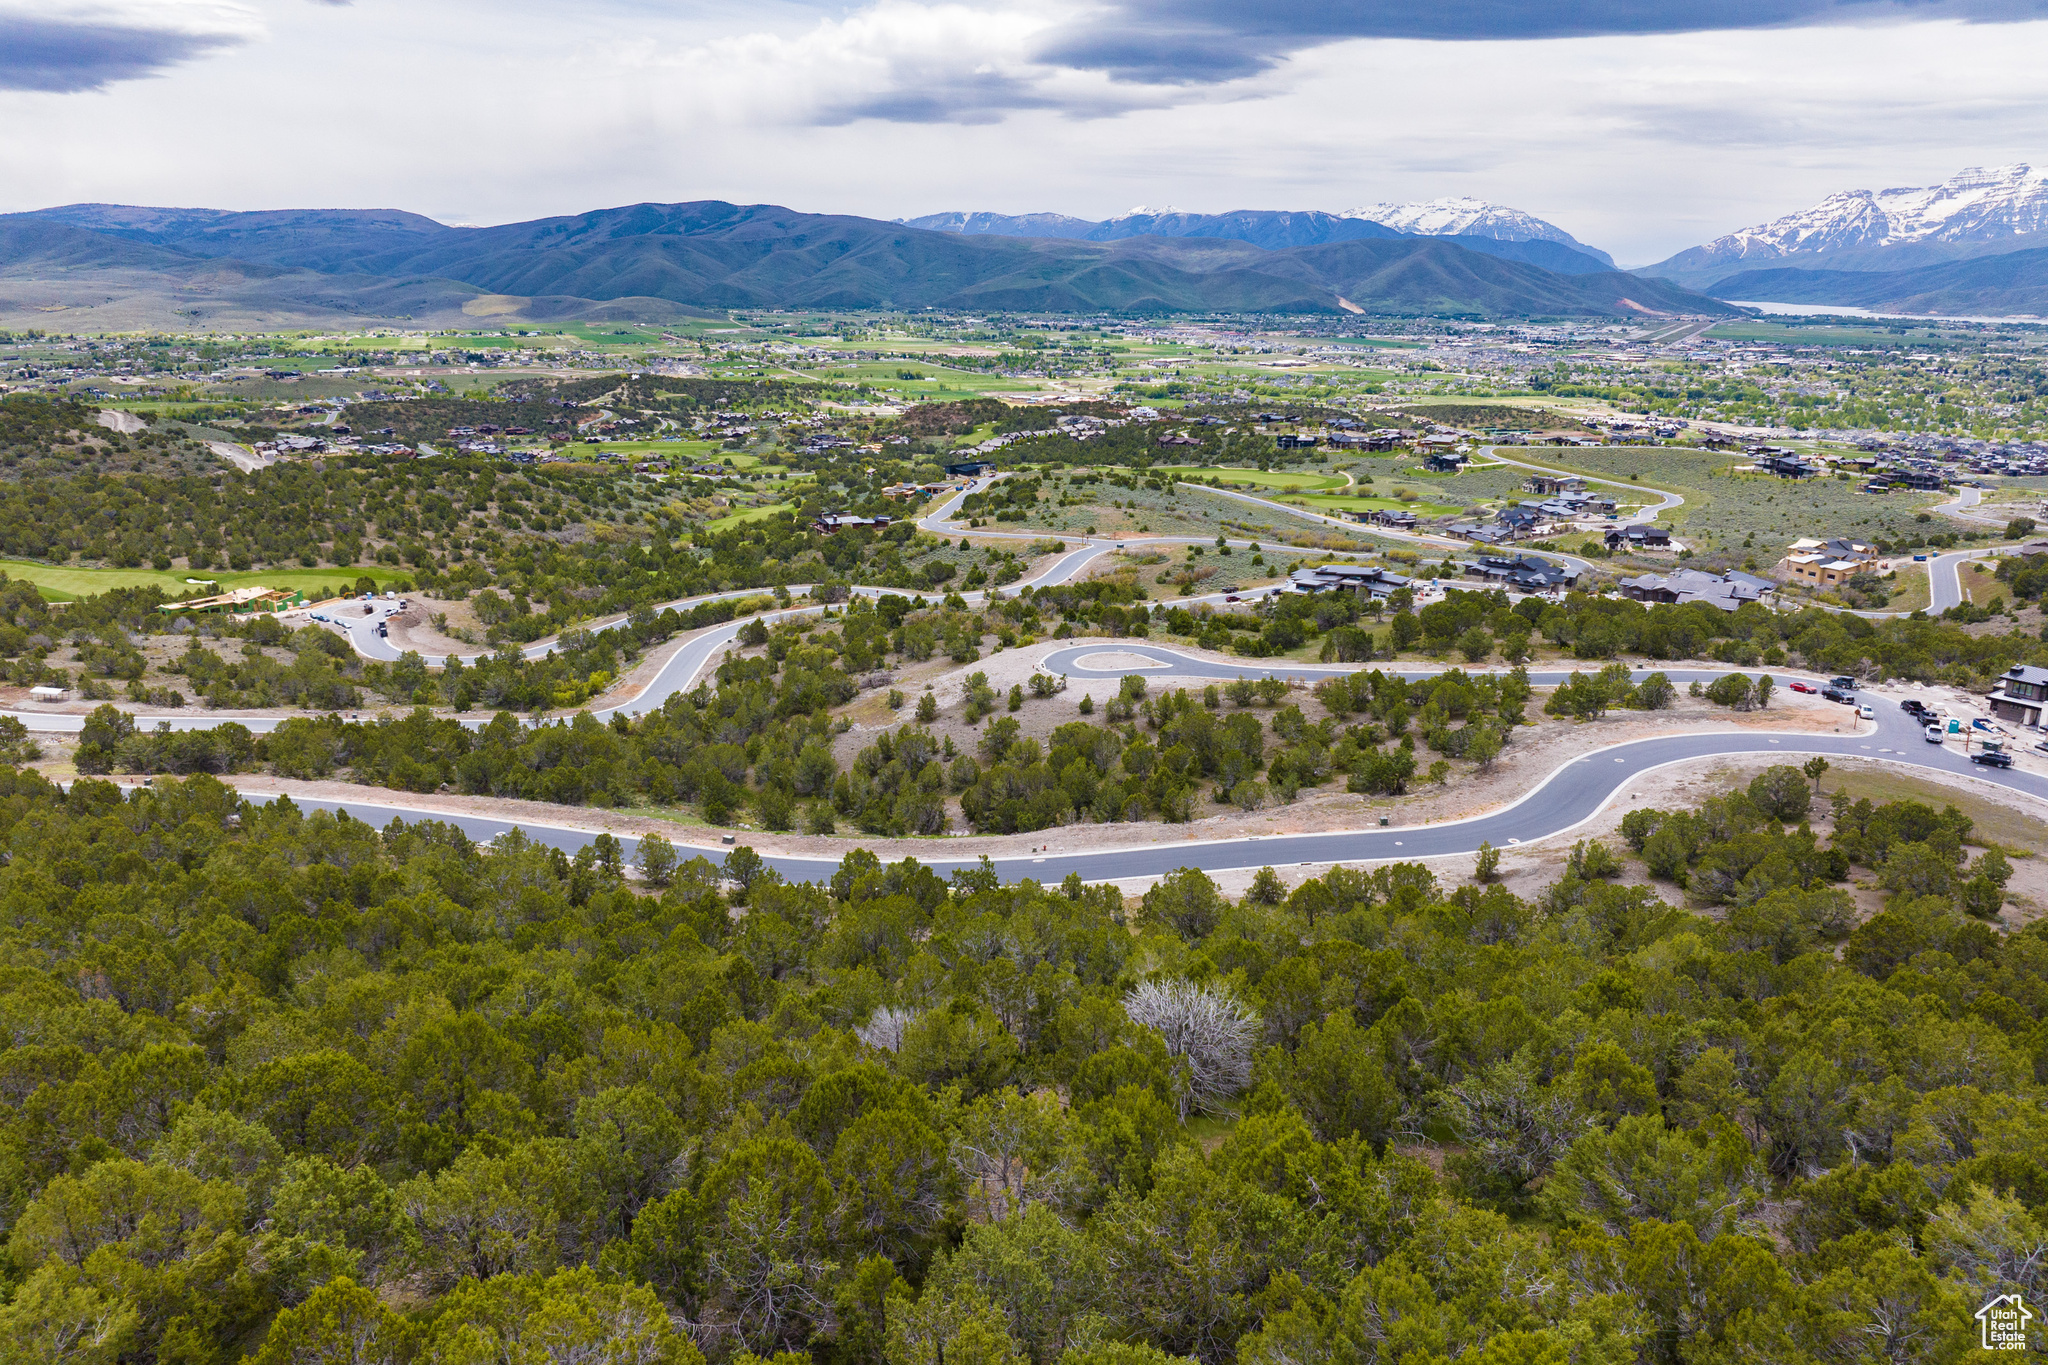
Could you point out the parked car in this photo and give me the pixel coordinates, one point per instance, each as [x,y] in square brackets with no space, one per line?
[1993,758]
[1933,734]
[1798,686]
[1837,694]
[1866,712]
[1847,684]
[1913,706]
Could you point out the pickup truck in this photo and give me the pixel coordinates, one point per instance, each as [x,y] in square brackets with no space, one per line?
[1832,693]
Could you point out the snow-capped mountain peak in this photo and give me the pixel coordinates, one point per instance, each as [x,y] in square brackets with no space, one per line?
[1464,216]
[1459,217]
[1978,206]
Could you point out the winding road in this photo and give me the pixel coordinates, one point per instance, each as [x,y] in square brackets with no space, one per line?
[1571,795]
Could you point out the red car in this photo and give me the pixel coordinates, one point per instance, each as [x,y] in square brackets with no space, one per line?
[1804,687]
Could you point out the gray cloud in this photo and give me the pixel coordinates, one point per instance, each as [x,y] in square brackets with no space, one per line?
[64,57]
[1206,41]
[975,99]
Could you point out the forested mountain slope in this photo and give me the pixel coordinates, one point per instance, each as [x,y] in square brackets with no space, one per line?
[716,255]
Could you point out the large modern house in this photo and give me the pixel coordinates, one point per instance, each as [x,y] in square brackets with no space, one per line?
[1725,591]
[1824,563]
[1353,577]
[2021,695]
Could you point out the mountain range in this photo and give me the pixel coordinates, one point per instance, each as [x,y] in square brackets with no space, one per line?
[1977,212]
[1474,224]
[106,267]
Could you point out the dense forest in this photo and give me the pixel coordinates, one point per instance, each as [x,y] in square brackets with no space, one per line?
[286,1084]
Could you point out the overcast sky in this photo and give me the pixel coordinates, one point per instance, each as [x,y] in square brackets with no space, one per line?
[1640,126]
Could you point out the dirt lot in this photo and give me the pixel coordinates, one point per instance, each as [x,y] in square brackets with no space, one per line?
[416,629]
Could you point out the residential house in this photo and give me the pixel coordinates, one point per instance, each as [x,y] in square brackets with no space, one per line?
[1825,563]
[1787,466]
[1443,461]
[837,521]
[1350,577]
[1398,518]
[1521,519]
[1726,591]
[1524,573]
[1345,440]
[2021,695]
[1296,442]
[970,469]
[238,601]
[1639,537]
[1548,485]
[1483,535]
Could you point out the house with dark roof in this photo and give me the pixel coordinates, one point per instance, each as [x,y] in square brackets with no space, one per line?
[1640,537]
[839,521]
[1483,535]
[2021,695]
[1726,591]
[1787,466]
[1524,573]
[1360,578]
[1520,520]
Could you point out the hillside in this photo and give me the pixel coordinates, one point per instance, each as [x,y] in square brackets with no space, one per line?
[644,260]
[2013,283]
[309,239]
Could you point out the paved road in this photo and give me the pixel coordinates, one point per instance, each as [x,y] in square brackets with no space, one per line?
[1644,515]
[1167,662]
[1569,797]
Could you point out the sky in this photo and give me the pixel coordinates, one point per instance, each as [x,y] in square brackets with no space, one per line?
[1639,126]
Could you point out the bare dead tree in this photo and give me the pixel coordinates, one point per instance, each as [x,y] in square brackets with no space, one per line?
[1209,1035]
[884,1029]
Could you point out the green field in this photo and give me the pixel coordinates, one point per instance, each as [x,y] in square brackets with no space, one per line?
[935,381]
[750,514]
[1338,502]
[1271,478]
[59,582]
